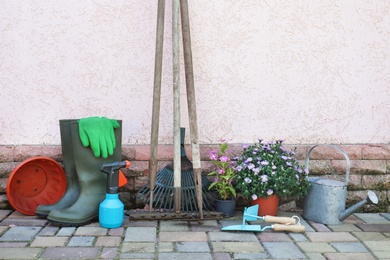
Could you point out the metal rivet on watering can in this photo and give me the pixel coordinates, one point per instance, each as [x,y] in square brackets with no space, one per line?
[325,200]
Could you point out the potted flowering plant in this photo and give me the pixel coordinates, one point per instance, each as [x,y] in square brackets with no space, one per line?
[224,174]
[267,169]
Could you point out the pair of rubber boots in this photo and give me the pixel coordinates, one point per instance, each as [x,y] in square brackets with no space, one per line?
[86,184]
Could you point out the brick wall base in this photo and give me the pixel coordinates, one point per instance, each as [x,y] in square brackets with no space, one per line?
[370,168]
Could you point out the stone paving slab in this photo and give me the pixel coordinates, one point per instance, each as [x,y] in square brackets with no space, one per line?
[20,253]
[331,237]
[372,218]
[27,233]
[183,236]
[357,238]
[70,252]
[283,250]
[374,227]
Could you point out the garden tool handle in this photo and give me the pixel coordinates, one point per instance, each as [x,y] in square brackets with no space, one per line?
[291,228]
[282,220]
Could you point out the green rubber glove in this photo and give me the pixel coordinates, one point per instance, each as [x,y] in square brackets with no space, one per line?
[98,133]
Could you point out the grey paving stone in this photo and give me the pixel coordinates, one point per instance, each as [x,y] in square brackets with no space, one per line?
[139,247]
[24,222]
[315,256]
[273,237]
[140,234]
[349,256]
[20,253]
[283,250]
[91,231]
[370,236]
[372,218]
[315,247]
[378,246]
[20,234]
[108,241]
[49,241]
[13,244]
[81,241]
[386,215]
[3,229]
[181,256]
[346,227]
[137,256]
[48,231]
[183,236]
[374,227]
[165,247]
[250,256]
[174,225]
[232,236]
[237,247]
[192,247]
[66,231]
[331,237]
[298,237]
[349,247]
[222,256]
[319,227]
[109,253]
[206,226]
[70,252]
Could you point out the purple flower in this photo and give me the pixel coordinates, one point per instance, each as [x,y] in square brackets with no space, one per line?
[297,176]
[248,180]
[288,163]
[254,197]
[221,171]
[224,158]
[216,179]
[270,192]
[264,178]
[256,170]
[239,168]
[251,166]
[213,155]
[248,160]
[244,146]
[264,163]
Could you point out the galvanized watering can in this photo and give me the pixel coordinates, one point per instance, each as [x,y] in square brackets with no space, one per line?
[325,201]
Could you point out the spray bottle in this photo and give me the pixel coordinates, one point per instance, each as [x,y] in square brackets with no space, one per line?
[111,210]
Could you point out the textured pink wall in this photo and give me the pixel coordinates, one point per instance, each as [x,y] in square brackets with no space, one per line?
[303,71]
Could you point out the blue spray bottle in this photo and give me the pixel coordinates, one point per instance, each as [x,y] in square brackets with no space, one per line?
[111,210]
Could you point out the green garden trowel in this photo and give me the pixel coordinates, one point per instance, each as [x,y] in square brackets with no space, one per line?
[250,214]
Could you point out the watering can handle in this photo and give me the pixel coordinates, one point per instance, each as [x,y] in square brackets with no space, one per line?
[337,148]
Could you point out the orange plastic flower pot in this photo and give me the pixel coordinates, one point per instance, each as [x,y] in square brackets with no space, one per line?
[38,180]
[267,205]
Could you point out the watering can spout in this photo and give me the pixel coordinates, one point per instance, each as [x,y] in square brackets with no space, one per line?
[371,198]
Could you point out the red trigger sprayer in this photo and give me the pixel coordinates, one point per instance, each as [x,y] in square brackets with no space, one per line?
[111,210]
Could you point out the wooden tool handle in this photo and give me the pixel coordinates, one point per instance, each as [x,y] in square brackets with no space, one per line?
[291,228]
[282,220]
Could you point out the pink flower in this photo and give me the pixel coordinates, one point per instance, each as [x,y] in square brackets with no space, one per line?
[224,158]
[213,155]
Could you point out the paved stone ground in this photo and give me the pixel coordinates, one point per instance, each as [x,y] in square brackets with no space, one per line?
[362,236]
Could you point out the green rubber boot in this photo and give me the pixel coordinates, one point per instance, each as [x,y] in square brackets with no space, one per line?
[91,180]
[72,184]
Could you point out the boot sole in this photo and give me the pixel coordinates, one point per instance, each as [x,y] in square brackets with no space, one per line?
[75,224]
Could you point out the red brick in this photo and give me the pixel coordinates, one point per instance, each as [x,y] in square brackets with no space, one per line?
[7,153]
[128,153]
[376,152]
[368,167]
[323,152]
[373,181]
[28,151]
